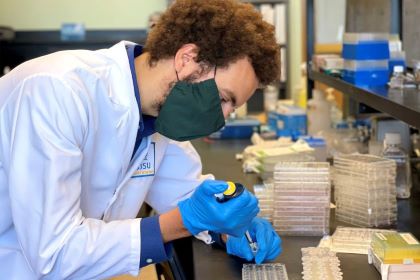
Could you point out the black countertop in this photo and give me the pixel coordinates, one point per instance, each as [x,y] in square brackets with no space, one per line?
[30,44]
[212,263]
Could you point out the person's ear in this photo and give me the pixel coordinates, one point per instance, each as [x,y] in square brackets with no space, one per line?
[185,60]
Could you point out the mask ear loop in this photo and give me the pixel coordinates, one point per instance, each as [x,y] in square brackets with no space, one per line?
[214,74]
[176,72]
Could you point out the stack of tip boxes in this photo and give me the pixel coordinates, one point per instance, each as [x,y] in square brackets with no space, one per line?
[302,198]
[365,192]
[366,57]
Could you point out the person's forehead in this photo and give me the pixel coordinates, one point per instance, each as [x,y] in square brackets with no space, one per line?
[238,78]
[239,69]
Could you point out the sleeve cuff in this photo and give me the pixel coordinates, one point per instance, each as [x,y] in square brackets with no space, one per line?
[153,250]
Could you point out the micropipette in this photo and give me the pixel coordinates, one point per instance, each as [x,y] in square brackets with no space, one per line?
[234,190]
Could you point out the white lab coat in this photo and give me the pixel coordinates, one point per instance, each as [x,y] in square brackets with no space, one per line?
[68,198]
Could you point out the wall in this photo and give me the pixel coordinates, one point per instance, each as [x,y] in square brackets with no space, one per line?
[368,16]
[330,18]
[95,14]
[411,23]
[295,46]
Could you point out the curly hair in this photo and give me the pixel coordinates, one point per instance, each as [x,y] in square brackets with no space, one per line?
[223,30]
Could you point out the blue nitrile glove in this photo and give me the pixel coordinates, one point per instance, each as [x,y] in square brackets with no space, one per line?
[261,231]
[203,212]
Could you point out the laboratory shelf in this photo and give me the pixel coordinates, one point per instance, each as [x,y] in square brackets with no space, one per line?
[400,104]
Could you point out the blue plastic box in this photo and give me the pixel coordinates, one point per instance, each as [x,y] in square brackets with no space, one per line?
[288,121]
[319,144]
[366,51]
[366,78]
[72,32]
[237,129]
[366,46]
[396,62]
[397,58]
[366,72]
[314,142]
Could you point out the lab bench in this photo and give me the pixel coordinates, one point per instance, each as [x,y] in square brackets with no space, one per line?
[208,262]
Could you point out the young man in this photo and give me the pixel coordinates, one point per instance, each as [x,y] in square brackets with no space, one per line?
[87,137]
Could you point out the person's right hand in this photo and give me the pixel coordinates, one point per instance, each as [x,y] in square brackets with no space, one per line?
[202,212]
[262,232]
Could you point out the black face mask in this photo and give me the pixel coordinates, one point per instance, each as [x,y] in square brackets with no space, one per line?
[191,110]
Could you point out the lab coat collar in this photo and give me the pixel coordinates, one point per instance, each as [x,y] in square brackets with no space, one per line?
[146,123]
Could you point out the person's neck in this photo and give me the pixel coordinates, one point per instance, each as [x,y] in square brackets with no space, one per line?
[152,81]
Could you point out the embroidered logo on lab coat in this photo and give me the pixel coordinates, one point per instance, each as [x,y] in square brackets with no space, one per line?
[147,166]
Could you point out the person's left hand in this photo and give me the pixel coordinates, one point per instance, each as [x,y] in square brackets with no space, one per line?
[261,231]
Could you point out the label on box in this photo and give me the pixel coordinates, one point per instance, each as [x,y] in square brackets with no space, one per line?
[409,238]
[280,124]
[408,261]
